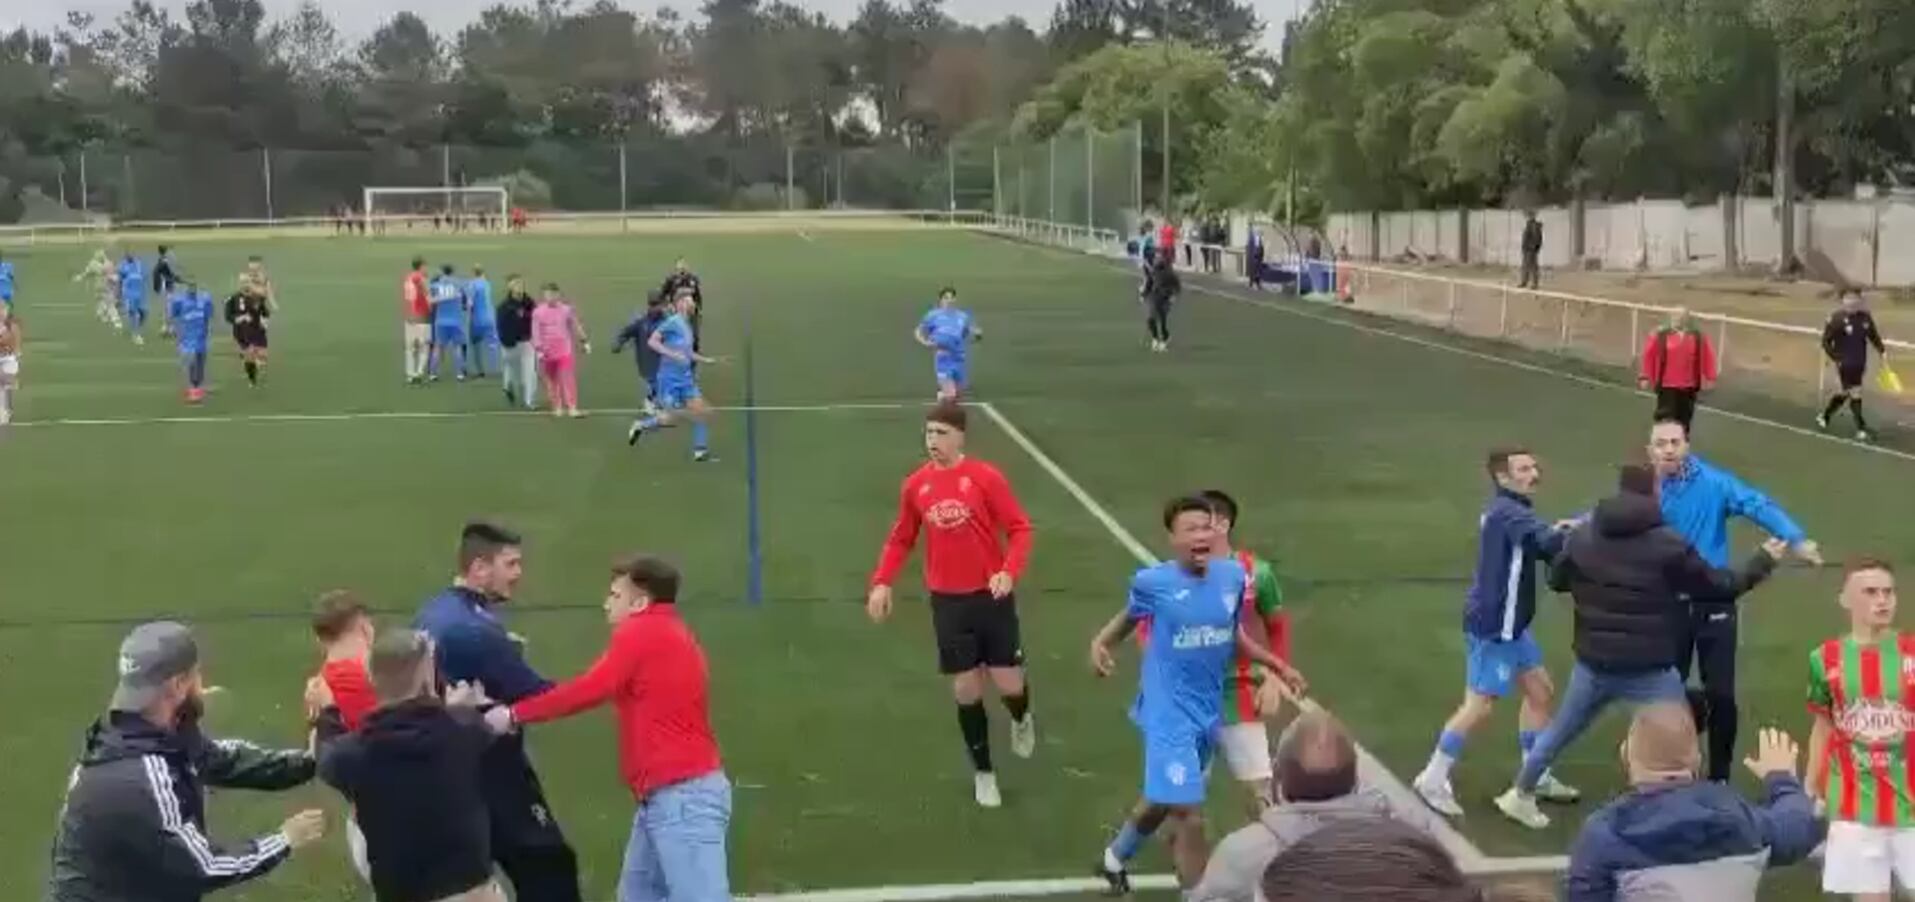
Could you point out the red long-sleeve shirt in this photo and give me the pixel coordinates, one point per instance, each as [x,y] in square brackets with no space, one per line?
[966,505]
[1678,359]
[654,674]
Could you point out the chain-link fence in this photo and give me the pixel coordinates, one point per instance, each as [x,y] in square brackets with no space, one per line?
[1081,176]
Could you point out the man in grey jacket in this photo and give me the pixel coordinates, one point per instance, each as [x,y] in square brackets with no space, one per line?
[1316,772]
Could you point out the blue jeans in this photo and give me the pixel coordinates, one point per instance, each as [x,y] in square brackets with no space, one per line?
[1590,691]
[677,849]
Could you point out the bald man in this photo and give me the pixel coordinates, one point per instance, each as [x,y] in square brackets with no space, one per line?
[1316,773]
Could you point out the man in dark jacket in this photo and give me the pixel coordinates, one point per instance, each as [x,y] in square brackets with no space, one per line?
[1846,339]
[515,336]
[1532,274]
[1161,288]
[412,774]
[638,334]
[681,280]
[1675,836]
[134,825]
[1630,576]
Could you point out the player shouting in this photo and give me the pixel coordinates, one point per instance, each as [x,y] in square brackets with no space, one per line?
[970,515]
[1193,604]
[949,330]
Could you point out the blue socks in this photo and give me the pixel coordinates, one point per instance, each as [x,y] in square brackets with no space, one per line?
[1526,740]
[1451,744]
[701,433]
[1128,841]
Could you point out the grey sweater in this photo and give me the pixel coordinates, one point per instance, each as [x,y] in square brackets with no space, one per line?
[1237,865]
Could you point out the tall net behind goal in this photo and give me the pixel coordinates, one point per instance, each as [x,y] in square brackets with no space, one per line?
[435,209]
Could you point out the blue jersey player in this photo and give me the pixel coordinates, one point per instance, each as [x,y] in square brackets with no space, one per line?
[6,282]
[133,296]
[1192,604]
[189,318]
[675,343]
[448,300]
[484,334]
[1502,655]
[948,330]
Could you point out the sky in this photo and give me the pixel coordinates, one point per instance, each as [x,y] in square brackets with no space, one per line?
[357,18]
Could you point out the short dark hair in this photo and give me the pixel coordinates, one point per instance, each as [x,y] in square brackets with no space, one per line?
[1665,420]
[950,414]
[1497,463]
[947,290]
[480,540]
[1865,564]
[658,578]
[549,286]
[1360,859]
[1636,479]
[1179,506]
[1316,759]
[418,263]
[445,269]
[1221,504]
[336,612]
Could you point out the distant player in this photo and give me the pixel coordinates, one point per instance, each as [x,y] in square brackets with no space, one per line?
[1161,287]
[448,322]
[1244,738]
[519,219]
[100,276]
[10,341]
[977,541]
[1861,763]
[555,326]
[1193,604]
[948,330]
[638,334]
[415,299]
[248,312]
[189,318]
[165,274]
[132,283]
[676,343]
[1502,655]
[1850,332]
[6,282]
[484,332]
[681,280]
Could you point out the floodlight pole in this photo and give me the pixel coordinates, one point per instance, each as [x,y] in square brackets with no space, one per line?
[623,188]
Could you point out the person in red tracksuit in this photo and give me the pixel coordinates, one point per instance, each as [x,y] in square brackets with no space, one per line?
[969,514]
[654,674]
[1678,364]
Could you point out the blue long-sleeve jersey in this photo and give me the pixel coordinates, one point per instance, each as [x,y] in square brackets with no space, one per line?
[474,645]
[1511,538]
[1699,499]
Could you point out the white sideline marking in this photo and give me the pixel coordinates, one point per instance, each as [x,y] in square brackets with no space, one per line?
[442,415]
[938,892]
[807,237]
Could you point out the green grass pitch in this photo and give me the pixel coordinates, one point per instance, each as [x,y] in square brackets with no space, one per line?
[1357,457]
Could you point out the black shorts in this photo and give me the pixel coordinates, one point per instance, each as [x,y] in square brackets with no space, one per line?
[249,337]
[1851,374]
[975,630]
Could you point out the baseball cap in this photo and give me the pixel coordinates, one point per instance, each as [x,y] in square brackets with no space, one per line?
[149,656]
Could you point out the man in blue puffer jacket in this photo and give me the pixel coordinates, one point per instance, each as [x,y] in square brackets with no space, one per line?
[1698,499]
[1673,836]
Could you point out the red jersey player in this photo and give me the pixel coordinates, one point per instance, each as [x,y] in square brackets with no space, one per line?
[970,516]
[343,627]
[418,318]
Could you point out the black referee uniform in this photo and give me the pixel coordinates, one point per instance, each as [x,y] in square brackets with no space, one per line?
[1846,339]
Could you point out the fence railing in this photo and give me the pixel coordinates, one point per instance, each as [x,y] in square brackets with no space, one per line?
[1780,360]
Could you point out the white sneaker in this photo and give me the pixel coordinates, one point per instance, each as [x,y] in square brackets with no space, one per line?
[1862,435]
[984,788]
[1437,794]
[139,339]
[1821,422]
[1550,789]
[1024,736]
[1521,807]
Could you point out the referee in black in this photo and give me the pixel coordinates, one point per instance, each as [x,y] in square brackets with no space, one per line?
[1846,340]
[682,279]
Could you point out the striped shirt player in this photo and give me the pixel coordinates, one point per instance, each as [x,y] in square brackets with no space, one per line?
[1502,654]
[1862,694]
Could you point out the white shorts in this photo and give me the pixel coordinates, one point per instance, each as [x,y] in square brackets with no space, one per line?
[418,333]
[1246,750]
[9,366]
[1863,859]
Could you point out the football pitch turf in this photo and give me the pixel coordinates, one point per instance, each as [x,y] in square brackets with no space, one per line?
[1356,455]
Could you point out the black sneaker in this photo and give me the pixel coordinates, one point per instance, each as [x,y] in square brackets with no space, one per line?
[635,433]
[1118,881]
[704,457]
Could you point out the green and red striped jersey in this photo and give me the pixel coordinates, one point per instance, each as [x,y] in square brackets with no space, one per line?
[1265,596]
[1867,691]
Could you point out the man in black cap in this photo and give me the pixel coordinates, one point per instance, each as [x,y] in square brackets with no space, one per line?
[134,824]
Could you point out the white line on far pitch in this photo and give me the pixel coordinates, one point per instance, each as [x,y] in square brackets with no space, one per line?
[442,415]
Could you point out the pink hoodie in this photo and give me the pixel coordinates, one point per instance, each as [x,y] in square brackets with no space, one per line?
[552,329]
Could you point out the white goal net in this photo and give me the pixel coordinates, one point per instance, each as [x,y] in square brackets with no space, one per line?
[436,209]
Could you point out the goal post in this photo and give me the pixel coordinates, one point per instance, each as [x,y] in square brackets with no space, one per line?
[437,207]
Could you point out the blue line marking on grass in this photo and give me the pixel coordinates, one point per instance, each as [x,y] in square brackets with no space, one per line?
[754,541]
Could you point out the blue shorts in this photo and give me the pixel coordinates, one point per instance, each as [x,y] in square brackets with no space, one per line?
[485,335]
[1495,664]
[951,371]
[676,391]
[448,335]
[134,303]
[1175,767]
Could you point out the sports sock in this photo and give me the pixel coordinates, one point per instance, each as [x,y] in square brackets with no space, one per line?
[252,372]
[976,727]
[1125,846]
[701,435]
[1855,407]
[1835,404]
[1018,705]
[1526,740]
[647,424]
[1449,747]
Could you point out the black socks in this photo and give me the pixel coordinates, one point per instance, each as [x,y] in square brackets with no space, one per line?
[976,727]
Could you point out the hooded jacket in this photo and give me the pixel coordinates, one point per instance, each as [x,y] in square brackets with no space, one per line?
[1630,576]
[1690,840]
[134,825]
[1236,866]
[412,773]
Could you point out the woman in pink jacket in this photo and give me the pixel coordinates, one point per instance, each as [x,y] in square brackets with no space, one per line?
[555,325]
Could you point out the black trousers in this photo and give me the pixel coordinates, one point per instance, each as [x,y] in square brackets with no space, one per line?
[1676,403]
[1532,274]
[1159,320]
[526,840]
[1711,647]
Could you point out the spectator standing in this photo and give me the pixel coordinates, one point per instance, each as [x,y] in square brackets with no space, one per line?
[1850,332]
[1253,259]
[1532,273]
[1673,835]
[520,366]
[134,825]
[1678,364]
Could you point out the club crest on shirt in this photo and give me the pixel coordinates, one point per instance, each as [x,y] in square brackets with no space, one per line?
[948,514]
[1875,721]
[964,484]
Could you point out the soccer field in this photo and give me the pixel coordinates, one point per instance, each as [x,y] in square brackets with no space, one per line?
[1355,452]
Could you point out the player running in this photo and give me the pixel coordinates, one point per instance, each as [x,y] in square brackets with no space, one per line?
[1502,654]
[976,547]
[681,280]
[189,318]
[676,343]
[132,284]
[484,332]
[1850,332]
[255,274]
[949,330]
[1193,604]
[166,276]
[554,327]
[6,282]
[100,273]
[248,311]
[1245,739]
[1860,761]
[638,334]
[448,322]
[1161,287]
[10,339]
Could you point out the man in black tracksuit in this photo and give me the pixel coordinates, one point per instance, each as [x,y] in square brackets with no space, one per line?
[1846,339]
[1161,288]
[683,279]
[1532,274]
[515,337]
[638,334]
